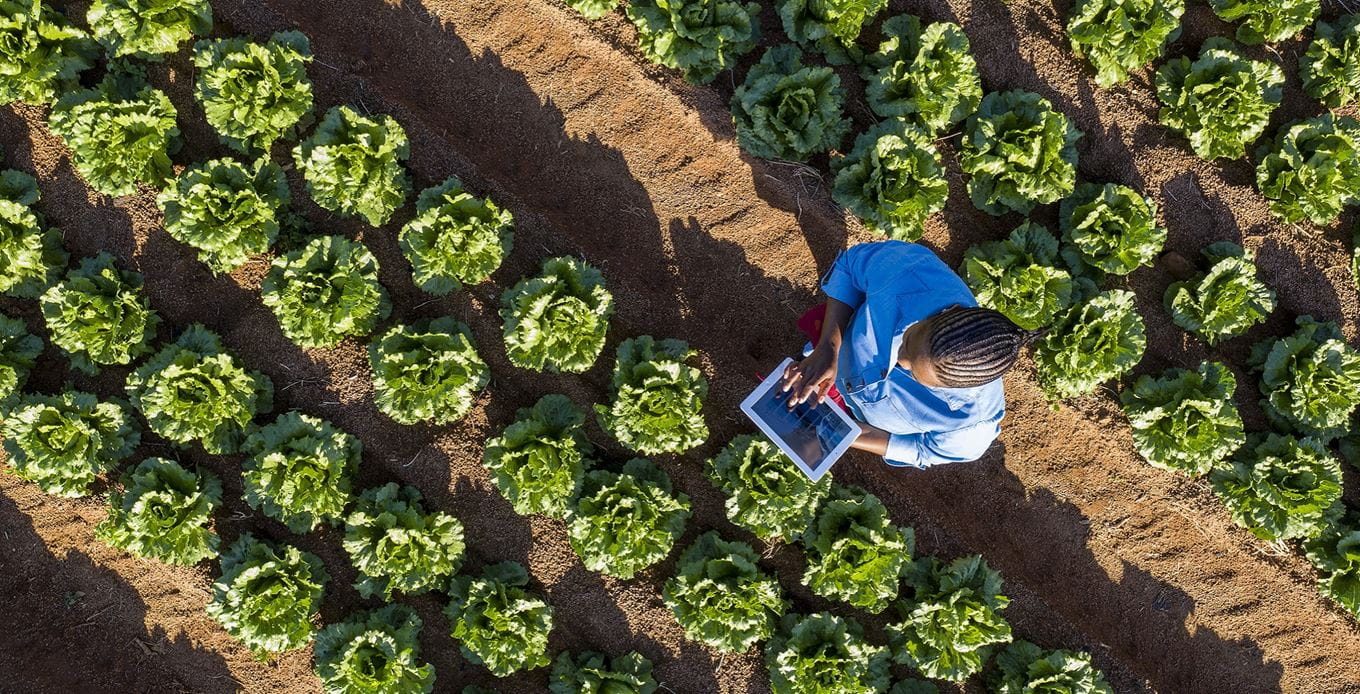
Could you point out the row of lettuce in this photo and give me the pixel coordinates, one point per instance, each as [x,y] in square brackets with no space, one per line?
[299,469]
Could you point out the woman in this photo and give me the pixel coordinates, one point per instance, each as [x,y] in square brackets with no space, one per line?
[905,347]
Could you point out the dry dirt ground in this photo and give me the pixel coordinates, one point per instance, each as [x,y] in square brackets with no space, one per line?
[601,155]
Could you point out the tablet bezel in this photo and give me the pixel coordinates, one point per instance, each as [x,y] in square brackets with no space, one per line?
[814,474]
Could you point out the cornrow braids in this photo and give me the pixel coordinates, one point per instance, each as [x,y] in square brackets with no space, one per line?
[971,346]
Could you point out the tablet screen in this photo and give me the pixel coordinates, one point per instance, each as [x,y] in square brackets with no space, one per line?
[813,436]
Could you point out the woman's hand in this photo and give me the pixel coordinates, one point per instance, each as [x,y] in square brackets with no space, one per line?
[811,378]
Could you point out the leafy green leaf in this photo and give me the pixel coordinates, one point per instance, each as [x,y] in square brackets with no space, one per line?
[1310,380]
[1020,276]
[98,316]
[592,9]
[1221,101]
[455,238]
[148,29]
[1112,227]
[325,291]
[193,390]
[267,595]
[624,523]
[374,652]
[766,493]
[658,398]
[1120,36]
[62,442]
[597,673]
[558,320]
[497,623]
[721,597]
[854,552]
[698,37]
[164,512]
[893,180]
[829,26]
[1185,420]
[1330,69]
[1311,171]
[226,211]
[1020,152]
[1224,302]
[952,617]
[1280,487]
[121,133]
[823,653]
[427,372]
[254,94]
[18,351]
[1095,342]
[41,52]
[539,461]
[1335,553]
[396,546]
[784,110]
[299,470]
[31,257]
[1267,21]
[1023,668]
[353,165]
[926,76]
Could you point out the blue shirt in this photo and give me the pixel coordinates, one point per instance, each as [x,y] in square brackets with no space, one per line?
[891,285]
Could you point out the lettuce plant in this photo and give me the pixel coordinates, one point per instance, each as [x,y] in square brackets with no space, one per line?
[893,180]
[854,552]
[720,596]
[325,291]
[1023,668]
[427,372]
[1095,342]
[193,390]
[121,133]
[18,351]
[821,652]
[456,238]
[164,512]
[658,398]
[925,75]
[497,622]
[952,617]
[539,461]
[1335,554]
[98,316]
[1185,420]
[374,652]
[766,494]
[558,320]
[353,165]
[1310,381]
[41,53]
[1020,152]
[700,38]
[785,110]
[1020,276]
[1224,302]
[595,672]
[592,9]
[148,29]
[1267,21]
[1220,101]
[396,546]
[31,257]
[267,595]
[299,470]
[1311,171]
[1120,36]
[226,211]
[624,522]
[63,442]
[254,94]
[1111,227]
[1330,69]
[1280,487]
[829,26]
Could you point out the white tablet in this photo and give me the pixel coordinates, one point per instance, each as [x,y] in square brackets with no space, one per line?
[814,437]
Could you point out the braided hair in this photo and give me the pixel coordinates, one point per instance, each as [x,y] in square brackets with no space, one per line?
[972,346]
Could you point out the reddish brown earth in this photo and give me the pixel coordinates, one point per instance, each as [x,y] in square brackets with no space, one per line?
[601,155]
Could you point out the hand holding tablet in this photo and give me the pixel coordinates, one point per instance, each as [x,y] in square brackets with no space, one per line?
[813,435]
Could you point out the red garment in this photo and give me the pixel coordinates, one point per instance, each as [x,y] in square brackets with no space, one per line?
[811,325]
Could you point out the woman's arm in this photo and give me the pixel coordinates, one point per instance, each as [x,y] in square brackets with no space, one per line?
[814,376]
[872,439]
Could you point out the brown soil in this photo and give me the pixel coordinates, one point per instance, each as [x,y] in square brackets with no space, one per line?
[600,155]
